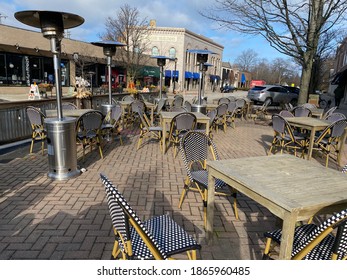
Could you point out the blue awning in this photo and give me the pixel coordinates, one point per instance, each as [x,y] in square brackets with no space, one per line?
[188,75]
[243,78]
[175,73]
[167,73]
[196,75]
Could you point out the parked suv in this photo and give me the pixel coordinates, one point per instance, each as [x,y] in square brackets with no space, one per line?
[273,93]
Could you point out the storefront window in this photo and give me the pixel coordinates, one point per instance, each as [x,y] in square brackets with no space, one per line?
[16,69]
[3,74]
[24,70]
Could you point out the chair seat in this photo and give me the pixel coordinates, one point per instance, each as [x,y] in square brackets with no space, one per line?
[322,251]
[201,177]
[168,234]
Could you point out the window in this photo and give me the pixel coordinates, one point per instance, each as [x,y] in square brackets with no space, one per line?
[16,69]
[3,74]
[155,51]
[172,53]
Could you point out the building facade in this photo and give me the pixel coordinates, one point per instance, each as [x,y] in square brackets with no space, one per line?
[26,58]
[339,73]
[182,71]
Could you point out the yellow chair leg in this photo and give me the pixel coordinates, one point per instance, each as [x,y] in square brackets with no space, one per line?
[182,197]
[267,247]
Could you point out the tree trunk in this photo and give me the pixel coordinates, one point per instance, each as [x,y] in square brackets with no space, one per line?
[305,83]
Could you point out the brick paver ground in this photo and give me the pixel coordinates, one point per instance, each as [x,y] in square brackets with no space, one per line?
[45,219]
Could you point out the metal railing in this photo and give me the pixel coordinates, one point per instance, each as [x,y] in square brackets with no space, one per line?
[15,125]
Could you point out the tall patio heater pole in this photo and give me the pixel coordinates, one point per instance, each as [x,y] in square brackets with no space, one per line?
[161,61]
[61,139]
[201,58]
[109,49]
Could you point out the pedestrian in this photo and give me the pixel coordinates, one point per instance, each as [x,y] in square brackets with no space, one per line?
[339,93]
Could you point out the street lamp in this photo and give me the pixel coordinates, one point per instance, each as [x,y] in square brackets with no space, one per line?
[201,57]
[203,78]
[161,61]
[61,139]
[174,75]
[109,48]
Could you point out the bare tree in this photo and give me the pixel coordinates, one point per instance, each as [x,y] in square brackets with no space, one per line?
[246,60]
[128,27]
[292,27]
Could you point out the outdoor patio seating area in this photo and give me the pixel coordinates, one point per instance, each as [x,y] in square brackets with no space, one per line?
[43,218]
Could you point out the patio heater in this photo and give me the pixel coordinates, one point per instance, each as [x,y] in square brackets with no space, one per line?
[161,61]
[201,58]
[61,135]
[91,73]
[203,78]
[109,48]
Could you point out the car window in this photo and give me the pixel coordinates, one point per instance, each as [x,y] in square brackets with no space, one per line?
[273,89]
[258,88]
[283,90]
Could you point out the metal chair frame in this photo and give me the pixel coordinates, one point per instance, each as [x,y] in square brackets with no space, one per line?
[88,130]
[196,148]
[158,238]
[36,118]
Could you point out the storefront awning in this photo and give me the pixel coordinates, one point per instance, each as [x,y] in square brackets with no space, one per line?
[188,75]
[196,75]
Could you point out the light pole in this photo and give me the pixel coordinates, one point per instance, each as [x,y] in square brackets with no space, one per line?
[174,76]
[61,138]
[161,61]
[201,57]
[109,48]
[91,73]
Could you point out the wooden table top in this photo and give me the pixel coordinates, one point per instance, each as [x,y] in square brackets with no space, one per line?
[170,115]
[309,121]
[291,183]
[67,113]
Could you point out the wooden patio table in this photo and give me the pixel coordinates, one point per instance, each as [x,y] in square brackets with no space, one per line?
[67,113]
[291,188]
[166,118]
[315,124]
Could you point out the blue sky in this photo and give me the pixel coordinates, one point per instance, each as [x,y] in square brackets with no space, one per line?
[169,13]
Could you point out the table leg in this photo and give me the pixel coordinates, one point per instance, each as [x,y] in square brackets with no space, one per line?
[288,228]
[152,115]
[310,147]
[207,128]
[164,135]
[210,208]
[342,143]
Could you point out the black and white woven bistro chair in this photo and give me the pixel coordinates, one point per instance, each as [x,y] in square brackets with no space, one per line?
[196,148]
[38,131]
[112,123]
[327,241]
[148,130]
[328,142]
[158,238]
[285,138]
[179,126]
[88,130]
